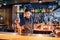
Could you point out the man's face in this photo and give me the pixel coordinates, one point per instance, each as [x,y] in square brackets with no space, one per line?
[27,14]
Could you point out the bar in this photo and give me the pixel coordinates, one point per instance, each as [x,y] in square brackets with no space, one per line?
[29,19]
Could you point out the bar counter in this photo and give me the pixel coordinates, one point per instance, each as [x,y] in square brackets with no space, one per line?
[12,36]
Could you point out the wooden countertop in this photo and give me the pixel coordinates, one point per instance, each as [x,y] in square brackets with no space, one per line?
[18,37]
[42,30]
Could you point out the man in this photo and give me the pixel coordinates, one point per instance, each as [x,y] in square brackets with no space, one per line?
[33,14]
[28,22]
[41,18]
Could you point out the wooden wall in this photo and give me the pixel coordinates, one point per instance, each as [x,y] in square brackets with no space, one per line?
[33,1]
[7,16]
[48,0]
[14,11]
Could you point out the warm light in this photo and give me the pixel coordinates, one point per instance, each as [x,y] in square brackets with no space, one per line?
[51,10]
[4,3]
[18,11]
[40,1]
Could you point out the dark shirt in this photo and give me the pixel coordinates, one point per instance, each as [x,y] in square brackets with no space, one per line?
[22,22]
[30,20]
[29,23]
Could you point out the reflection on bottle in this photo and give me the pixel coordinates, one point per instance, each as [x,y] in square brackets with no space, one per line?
[1,18]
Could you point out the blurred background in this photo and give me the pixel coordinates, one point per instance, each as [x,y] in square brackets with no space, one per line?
[44,11]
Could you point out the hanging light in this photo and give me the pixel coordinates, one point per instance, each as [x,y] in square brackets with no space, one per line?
[40,1]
